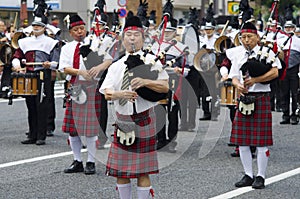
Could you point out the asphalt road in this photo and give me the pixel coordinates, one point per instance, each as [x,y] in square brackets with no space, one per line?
[201,168]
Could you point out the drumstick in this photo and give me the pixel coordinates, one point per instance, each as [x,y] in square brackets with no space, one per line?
[38,63]
[170,68]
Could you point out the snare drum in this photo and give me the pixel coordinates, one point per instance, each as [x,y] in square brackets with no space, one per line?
[24,84]
[229,94]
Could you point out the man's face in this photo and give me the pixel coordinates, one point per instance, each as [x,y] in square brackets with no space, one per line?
[209,32]
[169,35]
[133,37]
[38,30]
[249,40]
[2,26]
[289,29]
[78,32]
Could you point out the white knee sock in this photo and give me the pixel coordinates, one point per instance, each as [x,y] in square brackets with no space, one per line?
[262,160]
[75,144]
[143,192]
[91,148]
[246,158]
[124,191]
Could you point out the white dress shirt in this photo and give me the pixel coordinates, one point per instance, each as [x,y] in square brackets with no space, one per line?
[114,78]
[238,56]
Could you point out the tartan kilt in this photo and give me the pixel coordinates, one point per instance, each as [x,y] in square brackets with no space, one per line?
[256,129]
[141,157]
[83,119]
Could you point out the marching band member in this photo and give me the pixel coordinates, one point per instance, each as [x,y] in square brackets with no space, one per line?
[208,43]
[256,129]
[290,84]
[173,105]
[83,112]
[37,48]
[133,154]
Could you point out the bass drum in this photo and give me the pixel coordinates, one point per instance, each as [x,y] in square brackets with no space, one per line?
[189,36]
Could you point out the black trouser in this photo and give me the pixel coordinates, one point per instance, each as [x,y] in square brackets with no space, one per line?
[103,119]
[190,99]
[52,112]
[208,88]
[38,111]
[161,122]
[289,88]
[275,97]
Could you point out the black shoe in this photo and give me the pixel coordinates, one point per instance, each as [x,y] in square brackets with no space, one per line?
[259,183]
[75,167]
[285,121]
[40,142]
[160,145]
[205,117]
[27,133]
[50,133]
[28,141]
[294,120]
[90,168]
[245,181]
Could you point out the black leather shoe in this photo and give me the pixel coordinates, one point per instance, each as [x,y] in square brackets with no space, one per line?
[50,133]
[28,141]
[259,183]
[205,117]
[90,168]
[75,167]
[294,120]
[245,181]
[285,121]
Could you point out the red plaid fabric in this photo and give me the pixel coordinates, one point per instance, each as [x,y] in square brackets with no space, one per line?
[140,158]
[254,130]
[83,119]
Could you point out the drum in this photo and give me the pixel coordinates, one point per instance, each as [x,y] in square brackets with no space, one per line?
[189,36]
[229,94]
[24,84]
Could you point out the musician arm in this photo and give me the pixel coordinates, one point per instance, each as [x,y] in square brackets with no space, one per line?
[268,76]
[111,94]
[94,71]
[160,85]
[236,83]
[73,71]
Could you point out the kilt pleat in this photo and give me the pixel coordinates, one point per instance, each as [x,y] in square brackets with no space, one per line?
[83,119]
[256,129]
[141,157]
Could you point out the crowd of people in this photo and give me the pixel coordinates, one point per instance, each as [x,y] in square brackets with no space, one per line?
[156,82]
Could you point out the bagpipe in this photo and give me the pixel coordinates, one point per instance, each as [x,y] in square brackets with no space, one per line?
[259,65]
[137,68]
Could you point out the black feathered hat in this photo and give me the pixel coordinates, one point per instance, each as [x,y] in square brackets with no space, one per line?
[246,12]
[133,23]
[248,27]
[152,17]
[194,17]
[171,25]
[209,20]
[289,19]
[142,12]
[168,9]
[75,20]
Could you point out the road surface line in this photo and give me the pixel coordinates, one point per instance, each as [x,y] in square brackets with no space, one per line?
[268,181]
[46,157]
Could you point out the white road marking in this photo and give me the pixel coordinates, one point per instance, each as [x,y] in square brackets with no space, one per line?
[240,191]
[46,157]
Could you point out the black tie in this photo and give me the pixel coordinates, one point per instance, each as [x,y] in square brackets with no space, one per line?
[125,86]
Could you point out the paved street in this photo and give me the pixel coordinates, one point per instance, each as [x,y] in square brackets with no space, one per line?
[202,167]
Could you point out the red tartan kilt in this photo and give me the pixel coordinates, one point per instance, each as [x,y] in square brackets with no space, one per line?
[141,157]
[254,130]
[83,119]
